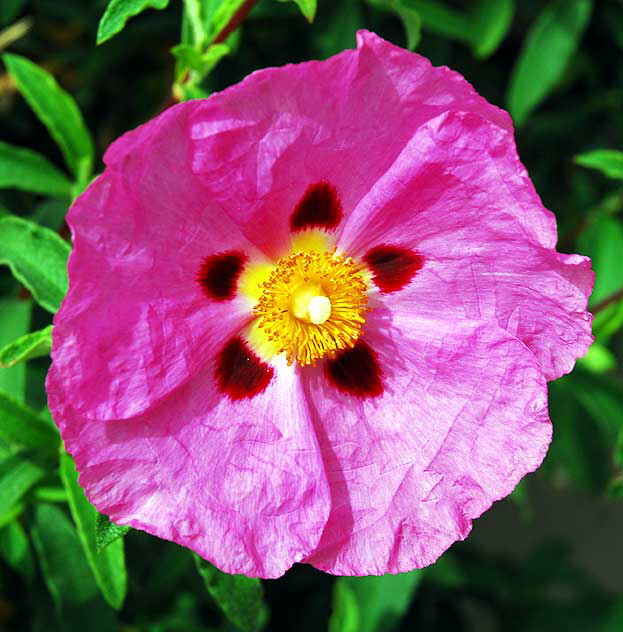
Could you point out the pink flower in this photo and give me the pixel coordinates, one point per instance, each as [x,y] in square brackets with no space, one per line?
[311,318]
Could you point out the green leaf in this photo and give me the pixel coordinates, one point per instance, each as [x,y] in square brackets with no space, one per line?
[11,514]
[32,345]
[372,604]
[200,63]
[340,32]
[118,12]
[14,322]
[106,532]
[409,16]
[108,566]
[18,473]
[197,17]
[608,161]
[492,20]
[618,449]
[411,22]
[66,573]
[550,43]
[602,241]
[37,257]
[29,171]
[346,616]
[308,9]
[608,321]
[50,213]
[442,20]
[601,397]
[22,426]
[9,9]
[599,359]
[15,549]
[222,16]
[521,498]
[240,598]
[57,111]
[579,444]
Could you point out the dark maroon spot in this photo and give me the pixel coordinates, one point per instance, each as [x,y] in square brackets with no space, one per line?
[219,274]
[319,207]
[239,372]
[392,266]
[355,371]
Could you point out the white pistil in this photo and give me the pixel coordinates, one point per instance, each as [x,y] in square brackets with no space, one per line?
[319,309]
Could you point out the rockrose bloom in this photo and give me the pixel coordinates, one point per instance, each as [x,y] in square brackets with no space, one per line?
[311,318]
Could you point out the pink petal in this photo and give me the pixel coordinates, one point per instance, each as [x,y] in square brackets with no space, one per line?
[462,419]
[259,145]
[240,483]
[458,195]
[136,323]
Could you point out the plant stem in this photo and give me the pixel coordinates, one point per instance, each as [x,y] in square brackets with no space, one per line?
[613,298]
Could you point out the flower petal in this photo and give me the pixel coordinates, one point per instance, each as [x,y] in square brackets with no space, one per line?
[259,145]
[320,207]
[463,417]
[219,274]
[392,267]
[460,197]
[136,322]
[355,371]
[240,483]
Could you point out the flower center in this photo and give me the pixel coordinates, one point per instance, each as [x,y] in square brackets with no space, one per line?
[313,304]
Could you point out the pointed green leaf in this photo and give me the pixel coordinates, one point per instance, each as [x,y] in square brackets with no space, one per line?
[240,598]
[492,20]
[18,473]
[57,111]
[308,9]
[37,257]
[372,604]
[407,14]
[32,345]
[29,171]
[442,20]
[118,12]
[411,22]
[546,51]
[608,161]
[15,322]
[15,549]
[66,573]
[106,532]
[21,425]
[108,566]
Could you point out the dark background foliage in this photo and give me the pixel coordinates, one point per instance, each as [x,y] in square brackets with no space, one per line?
[548,557]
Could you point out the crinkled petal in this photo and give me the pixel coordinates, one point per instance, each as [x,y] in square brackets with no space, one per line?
[240,483]
[458,195]
[462,419]
[260,144]
[135,323]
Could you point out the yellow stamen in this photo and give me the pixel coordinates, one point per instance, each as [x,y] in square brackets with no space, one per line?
[313,304]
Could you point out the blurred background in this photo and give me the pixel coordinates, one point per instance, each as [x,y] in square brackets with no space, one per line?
[550,556]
